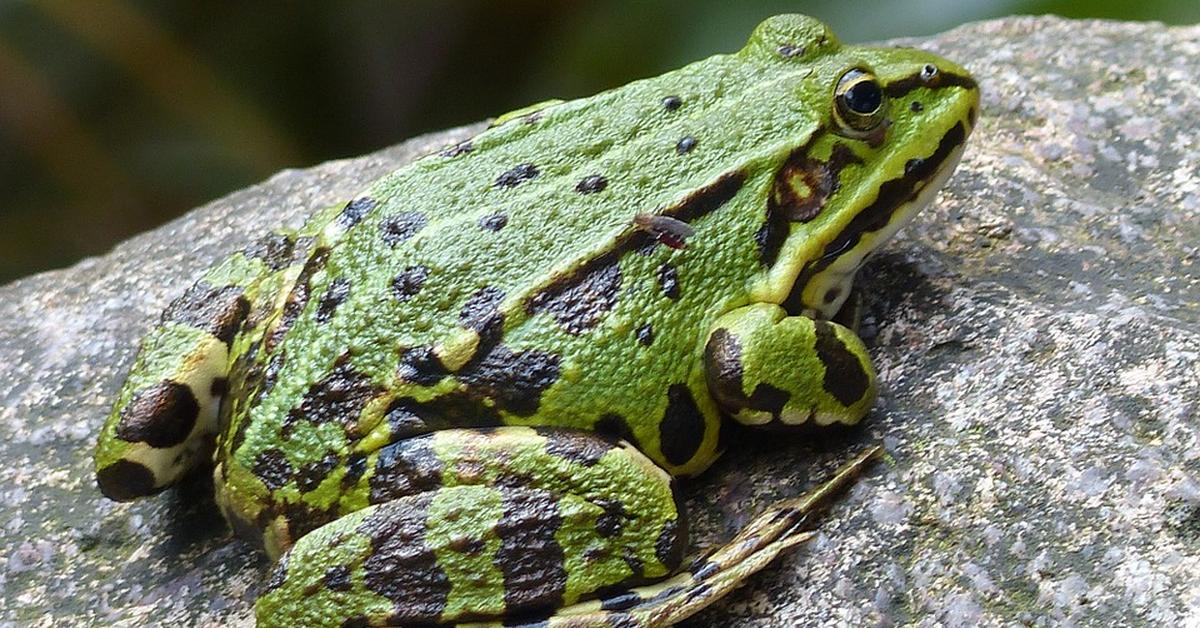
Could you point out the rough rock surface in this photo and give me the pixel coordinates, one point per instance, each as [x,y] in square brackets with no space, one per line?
[1037,333]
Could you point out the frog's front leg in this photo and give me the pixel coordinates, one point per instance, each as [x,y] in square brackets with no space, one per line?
[766,368]
[483,524]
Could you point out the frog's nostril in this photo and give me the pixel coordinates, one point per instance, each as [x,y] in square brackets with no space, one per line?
[929,72]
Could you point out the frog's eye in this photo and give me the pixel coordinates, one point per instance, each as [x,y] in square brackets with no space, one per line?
[859,102]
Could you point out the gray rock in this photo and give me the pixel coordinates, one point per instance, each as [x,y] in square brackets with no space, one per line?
[1037,334]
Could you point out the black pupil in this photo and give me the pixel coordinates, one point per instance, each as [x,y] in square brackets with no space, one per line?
[864,97]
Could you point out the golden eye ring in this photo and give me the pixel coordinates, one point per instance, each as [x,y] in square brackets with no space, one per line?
[860,105]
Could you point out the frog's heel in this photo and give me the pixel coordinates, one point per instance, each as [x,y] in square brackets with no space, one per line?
[767,369]
[165,417]
[483,525]
[782,526]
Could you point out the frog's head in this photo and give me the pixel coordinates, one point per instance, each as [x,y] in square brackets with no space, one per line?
[888,127]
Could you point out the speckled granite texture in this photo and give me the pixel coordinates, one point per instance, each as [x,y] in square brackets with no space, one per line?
[1037,333]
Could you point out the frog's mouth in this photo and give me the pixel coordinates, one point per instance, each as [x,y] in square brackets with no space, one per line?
[823,283]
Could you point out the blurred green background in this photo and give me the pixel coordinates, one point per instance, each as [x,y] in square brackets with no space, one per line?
[117,115]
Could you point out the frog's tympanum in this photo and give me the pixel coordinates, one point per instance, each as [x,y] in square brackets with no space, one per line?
[463,395]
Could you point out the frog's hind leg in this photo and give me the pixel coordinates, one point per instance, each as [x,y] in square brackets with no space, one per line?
[782,526]
[165,417]
[483,525]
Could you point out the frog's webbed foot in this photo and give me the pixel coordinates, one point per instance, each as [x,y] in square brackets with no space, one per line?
[483,524]
[765,368]
[782,526]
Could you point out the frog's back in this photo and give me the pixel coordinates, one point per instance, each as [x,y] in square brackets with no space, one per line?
[504,280]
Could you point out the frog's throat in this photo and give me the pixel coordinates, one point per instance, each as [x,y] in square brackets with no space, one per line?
[823,284]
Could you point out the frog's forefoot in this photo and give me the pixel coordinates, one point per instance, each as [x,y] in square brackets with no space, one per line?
[768,369]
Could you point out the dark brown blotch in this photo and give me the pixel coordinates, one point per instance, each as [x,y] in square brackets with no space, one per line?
[668,281]
[481,313]
[493,222]
[402,566]
[160,415]
[338,397]
[311,475]
[579,300]
[397,228]
[408,282]
[406,467]
[591,184]
[421,366]
[337,578]
[681,430]
[529,556]
[514,381]
[297,299]
[125,480]
[355,211]
[516,175]
[335,294]
[845,378]
[272,467]
[645,335]
[218,311]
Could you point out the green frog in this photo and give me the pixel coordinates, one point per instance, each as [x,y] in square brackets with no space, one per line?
[466,394]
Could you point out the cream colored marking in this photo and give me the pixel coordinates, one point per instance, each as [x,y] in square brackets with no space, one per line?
[754,417]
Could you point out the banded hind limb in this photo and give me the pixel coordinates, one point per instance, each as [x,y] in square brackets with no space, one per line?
[518,525]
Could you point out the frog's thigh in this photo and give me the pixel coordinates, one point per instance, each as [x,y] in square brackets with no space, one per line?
[767,368]
[483,523]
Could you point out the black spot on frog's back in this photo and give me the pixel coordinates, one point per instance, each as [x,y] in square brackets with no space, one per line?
[591,184]
[513,380]
[668,281]
[338,397]
[579,300]
[397,228]
[493,222]
[516,175]
[355,211]
[335,294]
[408,282]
